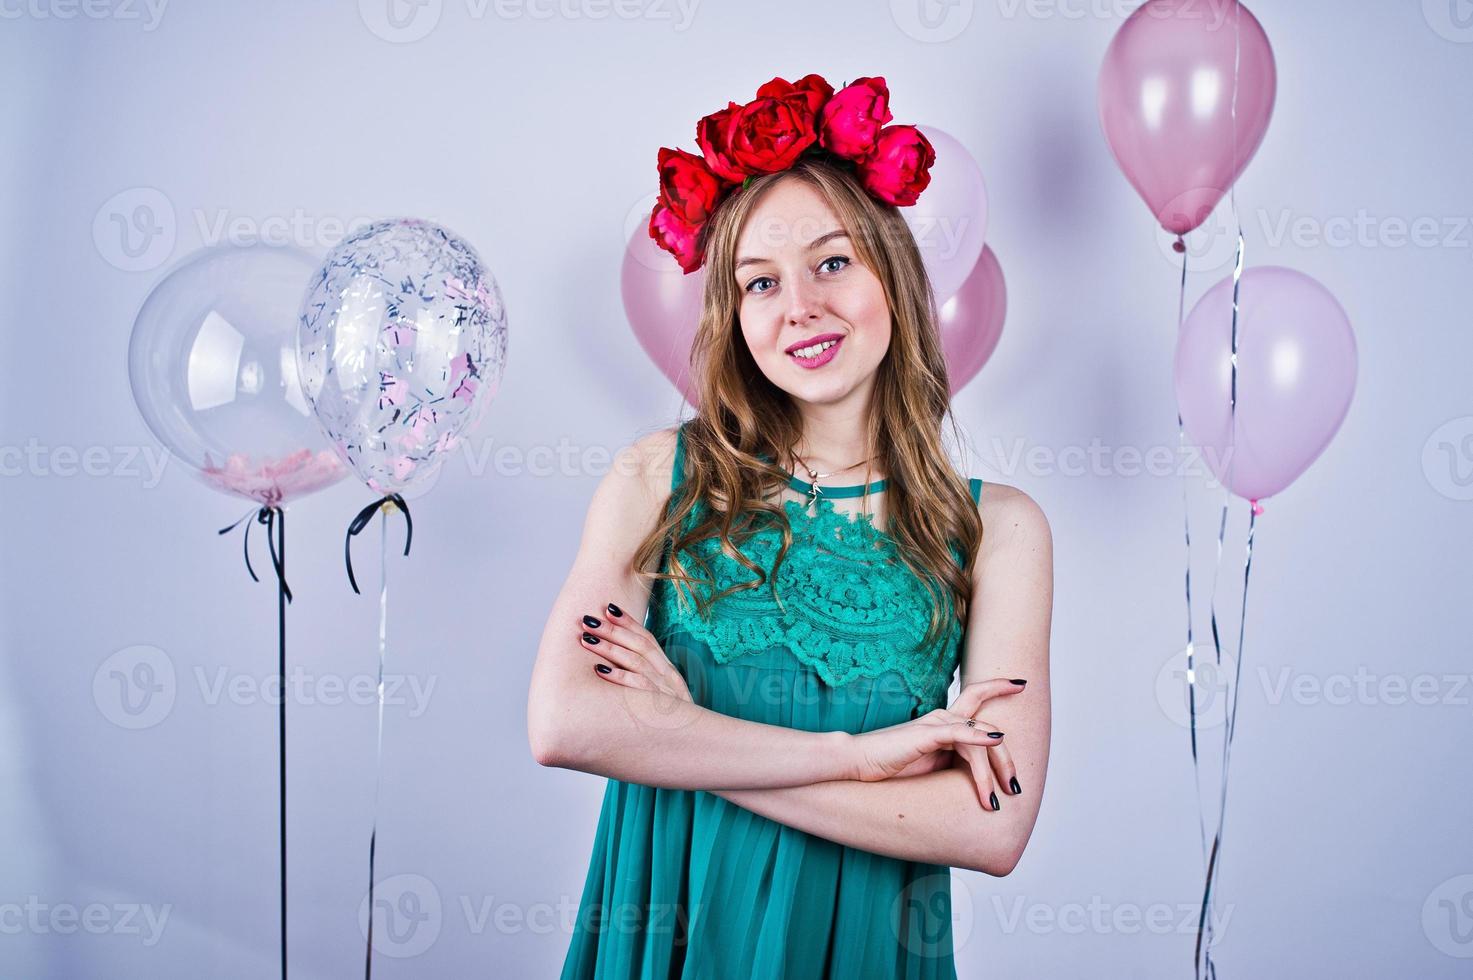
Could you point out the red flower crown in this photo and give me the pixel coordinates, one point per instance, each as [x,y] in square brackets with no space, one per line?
[784,122]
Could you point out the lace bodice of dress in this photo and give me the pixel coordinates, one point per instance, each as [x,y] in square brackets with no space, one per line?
[846,604]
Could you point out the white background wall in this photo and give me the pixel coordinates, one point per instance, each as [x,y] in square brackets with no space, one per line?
[534,137]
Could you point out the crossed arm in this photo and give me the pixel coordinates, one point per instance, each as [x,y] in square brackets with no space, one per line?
[938,816]
[576,719]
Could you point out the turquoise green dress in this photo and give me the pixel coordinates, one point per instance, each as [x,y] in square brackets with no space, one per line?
[684,884]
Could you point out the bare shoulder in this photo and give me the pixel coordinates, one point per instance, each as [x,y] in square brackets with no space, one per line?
[627,506]
[631,497]
[1012,521]
[652,456]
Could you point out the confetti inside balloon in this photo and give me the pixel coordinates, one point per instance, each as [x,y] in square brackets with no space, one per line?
[401,346]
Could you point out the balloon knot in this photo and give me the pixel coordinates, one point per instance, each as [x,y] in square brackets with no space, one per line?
[1257,507]
[1178,246]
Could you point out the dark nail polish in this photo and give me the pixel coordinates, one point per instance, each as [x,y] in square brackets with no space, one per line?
[992,798]
[1013,785]
[589,638]
[615,610]
[1018,681]
[590,621]
[994,734]
[603,668]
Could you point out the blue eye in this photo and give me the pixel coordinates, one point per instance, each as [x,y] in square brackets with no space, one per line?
[843,261]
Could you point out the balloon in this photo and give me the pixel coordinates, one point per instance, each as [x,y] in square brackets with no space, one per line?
[1166,99]
[949,220]
[401,346]
[212,364]
[664,307]
[971,321]
[1296,375]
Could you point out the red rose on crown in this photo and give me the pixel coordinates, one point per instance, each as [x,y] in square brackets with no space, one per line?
[899,166]
[851,120]
[687,187]
[768,134]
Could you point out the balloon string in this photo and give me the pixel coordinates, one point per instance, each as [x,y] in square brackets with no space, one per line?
[383,627]
[1181,439]
[268,515]
[360,521]
[274,517]
[1205,922]
[283,596]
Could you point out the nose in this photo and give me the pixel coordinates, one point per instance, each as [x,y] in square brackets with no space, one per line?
[804,302]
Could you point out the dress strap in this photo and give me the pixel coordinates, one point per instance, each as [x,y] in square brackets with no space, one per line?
[976,490]
[678,470]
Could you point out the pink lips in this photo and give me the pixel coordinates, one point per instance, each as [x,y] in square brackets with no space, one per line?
[824,356]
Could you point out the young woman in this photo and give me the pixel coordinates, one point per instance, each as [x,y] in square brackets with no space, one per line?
[764,683]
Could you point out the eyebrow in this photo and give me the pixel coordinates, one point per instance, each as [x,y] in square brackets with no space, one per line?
[820,240]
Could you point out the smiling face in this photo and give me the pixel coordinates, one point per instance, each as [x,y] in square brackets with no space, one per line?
[801,285]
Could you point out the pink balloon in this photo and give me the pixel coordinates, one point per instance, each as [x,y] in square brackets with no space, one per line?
[1166,101]
[664,307]
[1296,376]
[971,321]
[949,220]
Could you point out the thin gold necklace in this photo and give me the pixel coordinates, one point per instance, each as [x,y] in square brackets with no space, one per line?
[813,477]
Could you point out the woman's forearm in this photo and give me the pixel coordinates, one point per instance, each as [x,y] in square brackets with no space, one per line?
[641,737]
[934,817]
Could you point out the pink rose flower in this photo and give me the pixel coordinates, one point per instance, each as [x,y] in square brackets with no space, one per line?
[900,166]
[851,121]
[677,237]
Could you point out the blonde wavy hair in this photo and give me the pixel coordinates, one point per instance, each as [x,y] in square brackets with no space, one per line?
[744,415]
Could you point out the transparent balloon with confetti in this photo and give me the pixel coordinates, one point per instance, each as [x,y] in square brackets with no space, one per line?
[401,346]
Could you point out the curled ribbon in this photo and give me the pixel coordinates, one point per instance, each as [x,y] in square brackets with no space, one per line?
[361,521]
[270,515]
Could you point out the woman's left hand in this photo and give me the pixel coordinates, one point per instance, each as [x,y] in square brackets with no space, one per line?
[991,767]
[626,653]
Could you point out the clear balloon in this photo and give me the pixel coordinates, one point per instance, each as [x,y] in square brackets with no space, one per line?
[664,308]
[971,321]
[949,220]
[1186,91]
[1295,378]
[401,347]
[212,364]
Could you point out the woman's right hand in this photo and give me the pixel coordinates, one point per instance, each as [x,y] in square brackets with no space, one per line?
[904,748]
